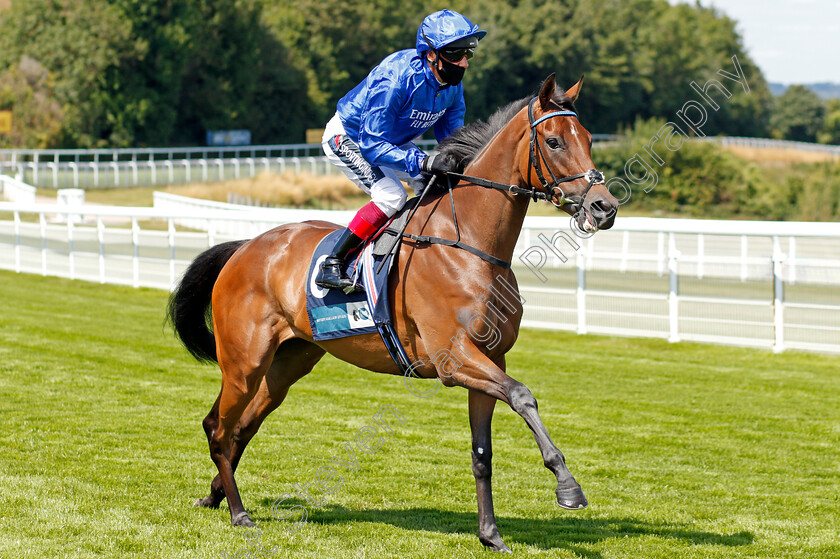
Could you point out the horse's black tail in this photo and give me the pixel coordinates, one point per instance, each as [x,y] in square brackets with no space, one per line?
[189,310]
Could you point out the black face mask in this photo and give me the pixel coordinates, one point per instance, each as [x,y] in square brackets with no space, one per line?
[450,73]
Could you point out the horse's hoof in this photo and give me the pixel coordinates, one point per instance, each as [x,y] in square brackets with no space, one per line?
[242,519]
[572,499]
[496,544]
[207,502]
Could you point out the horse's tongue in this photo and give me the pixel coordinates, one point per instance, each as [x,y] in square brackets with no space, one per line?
[589,224]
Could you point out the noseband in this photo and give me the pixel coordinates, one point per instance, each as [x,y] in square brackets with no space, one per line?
[594,176]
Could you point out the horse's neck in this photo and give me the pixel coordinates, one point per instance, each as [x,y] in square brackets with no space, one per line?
[492,219]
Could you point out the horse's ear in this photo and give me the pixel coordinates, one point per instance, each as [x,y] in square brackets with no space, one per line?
[547,92]
[573,92]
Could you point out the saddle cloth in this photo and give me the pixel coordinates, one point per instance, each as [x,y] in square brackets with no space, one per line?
[334,314]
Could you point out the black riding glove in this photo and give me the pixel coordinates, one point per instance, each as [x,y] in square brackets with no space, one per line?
[439,164]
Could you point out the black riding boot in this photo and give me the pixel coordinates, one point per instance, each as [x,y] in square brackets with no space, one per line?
[330,276]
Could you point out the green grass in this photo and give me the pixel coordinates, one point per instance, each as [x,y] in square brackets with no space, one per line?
[683,450]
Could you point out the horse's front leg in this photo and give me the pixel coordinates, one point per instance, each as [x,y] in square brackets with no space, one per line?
[481,374]
[569,493]
[481,415]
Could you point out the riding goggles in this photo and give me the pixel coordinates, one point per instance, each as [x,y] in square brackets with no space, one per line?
[455,55]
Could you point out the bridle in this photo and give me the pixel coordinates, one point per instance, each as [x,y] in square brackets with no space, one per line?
[551,192]
[535,147]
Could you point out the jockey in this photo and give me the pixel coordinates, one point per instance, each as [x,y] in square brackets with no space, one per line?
[369,137]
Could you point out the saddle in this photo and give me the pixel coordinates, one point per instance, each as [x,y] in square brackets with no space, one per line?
[334,314]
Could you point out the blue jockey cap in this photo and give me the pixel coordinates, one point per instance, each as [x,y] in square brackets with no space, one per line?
[444,28]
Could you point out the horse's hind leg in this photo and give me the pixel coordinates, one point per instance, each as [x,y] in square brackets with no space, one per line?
[210,424]
[244,359]
[293,359]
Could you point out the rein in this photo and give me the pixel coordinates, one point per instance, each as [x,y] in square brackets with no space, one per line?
[438,240]
[457,242]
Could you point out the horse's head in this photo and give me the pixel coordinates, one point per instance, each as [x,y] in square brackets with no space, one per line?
[559,159]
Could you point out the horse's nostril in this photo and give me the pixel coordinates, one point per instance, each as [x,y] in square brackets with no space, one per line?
[600,207]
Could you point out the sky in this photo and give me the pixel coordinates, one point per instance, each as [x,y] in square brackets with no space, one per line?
[792,41]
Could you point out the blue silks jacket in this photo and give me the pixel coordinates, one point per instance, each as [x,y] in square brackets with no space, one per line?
[398,101]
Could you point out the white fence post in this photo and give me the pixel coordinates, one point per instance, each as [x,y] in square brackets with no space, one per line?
[673,294]
[100,234]
[581,292]
[625,250]
[17,242]
[171,239]
[660,253]
[42,218]
[135,242]
[700,252]
[211,233]
[792,260]
[54,167]
[778,260]
[744,255]
[95,168]
[70,247]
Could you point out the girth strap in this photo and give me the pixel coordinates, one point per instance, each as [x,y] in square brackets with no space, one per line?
[458,244]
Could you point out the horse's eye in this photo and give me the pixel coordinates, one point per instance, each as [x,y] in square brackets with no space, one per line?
[553,143]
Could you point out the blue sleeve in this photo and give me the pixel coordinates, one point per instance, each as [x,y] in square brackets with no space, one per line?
[380,112]
[453,119]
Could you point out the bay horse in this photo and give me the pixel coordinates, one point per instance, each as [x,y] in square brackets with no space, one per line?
[261,336]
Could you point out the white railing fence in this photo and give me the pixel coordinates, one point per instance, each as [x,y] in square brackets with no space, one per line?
[115,168]
[16,191]
[768,143]
[115,174]
[764,284]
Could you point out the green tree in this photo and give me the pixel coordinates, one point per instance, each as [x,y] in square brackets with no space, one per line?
[642,67]
[831,125]
[26,90]
[158,72]
[798,115]
[78,42]
[154,72]
[335,43]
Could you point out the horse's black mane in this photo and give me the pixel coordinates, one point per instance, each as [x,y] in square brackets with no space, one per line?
[469,140]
